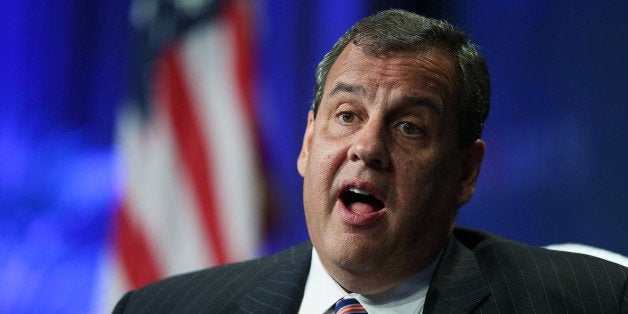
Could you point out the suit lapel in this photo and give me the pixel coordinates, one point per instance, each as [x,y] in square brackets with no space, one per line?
[283,290]
[458,285]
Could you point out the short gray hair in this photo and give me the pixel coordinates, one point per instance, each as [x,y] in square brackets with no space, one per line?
[398,30]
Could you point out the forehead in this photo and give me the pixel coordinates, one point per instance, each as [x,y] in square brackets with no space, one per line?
[431,70]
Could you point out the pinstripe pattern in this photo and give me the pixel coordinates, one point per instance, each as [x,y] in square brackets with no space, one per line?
[479,273]
[273,284]
[484,273]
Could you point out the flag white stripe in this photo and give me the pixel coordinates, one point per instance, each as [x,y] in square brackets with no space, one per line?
[111,282]
[159,199]
[209,68]
[184,246]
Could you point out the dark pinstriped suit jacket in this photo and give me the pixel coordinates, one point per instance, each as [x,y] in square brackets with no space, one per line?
[479,272]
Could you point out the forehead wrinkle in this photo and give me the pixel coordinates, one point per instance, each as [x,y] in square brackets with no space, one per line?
[343,87]
[436,66]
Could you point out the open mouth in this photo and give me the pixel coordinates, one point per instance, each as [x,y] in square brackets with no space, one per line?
[361,201]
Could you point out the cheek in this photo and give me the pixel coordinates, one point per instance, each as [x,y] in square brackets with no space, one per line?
[322,164]
[417,173]
[423,182]
[415,192]
[326,157]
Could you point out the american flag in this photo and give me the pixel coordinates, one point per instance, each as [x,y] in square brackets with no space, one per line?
[194,190]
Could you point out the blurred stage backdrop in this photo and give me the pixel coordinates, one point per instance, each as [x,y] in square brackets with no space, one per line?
[143,139]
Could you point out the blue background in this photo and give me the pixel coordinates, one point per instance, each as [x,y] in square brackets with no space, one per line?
[554,172]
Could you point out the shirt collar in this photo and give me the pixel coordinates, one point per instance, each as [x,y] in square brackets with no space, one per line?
[322,292]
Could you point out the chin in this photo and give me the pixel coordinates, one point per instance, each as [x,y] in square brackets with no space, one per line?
[355,265]
[355,257]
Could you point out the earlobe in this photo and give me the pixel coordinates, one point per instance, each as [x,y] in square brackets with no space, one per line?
[307,142]
[470,170]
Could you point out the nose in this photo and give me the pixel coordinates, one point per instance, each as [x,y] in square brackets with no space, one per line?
[370,147]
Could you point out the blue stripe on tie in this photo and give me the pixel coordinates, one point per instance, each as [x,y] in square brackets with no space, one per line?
[349,306]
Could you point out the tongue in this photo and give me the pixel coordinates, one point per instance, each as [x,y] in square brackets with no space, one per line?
[362,208]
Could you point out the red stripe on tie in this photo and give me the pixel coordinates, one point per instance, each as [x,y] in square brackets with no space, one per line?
[351,309]
[191,147]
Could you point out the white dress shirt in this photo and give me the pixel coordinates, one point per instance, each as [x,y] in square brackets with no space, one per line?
[322,292]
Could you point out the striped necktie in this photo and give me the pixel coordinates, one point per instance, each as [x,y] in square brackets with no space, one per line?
[349,306]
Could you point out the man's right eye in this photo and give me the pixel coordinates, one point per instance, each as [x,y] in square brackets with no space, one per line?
[347,117]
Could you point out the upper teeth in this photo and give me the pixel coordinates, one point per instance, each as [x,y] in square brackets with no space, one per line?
[356,190]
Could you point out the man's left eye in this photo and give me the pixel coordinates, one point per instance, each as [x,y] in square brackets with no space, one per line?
[347,117]
[409,128]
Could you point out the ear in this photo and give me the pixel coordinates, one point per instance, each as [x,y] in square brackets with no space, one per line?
[470,170]
[307,143]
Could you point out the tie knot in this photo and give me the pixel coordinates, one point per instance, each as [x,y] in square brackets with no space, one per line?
[349,306]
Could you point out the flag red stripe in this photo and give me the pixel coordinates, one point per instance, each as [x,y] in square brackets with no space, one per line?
[239,16]
[135,254]
[240,19]
[191,146]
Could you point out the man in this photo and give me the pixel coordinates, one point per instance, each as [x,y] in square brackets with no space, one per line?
[391,151]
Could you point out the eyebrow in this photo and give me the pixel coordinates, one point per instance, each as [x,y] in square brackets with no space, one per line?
[412,100]
[422,101]
[347,88]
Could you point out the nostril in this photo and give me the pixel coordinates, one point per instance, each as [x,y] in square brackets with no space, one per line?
[373,153]
[377,163]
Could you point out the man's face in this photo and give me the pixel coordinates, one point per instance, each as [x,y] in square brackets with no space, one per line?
[383,172]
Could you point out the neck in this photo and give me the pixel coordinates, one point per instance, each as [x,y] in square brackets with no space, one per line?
[381,279]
